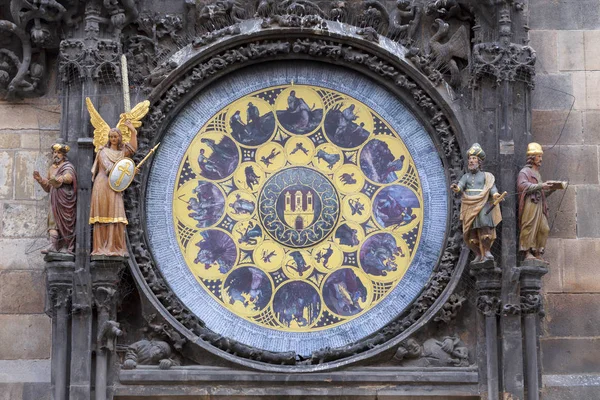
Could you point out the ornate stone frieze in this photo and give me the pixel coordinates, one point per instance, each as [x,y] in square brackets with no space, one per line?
[450,309]
[33,32]
[503,60]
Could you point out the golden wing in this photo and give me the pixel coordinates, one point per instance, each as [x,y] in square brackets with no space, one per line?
[101,128]
[135,116]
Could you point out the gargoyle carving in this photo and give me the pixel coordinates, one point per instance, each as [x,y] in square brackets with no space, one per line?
[447,9]
[150,352]
[445,54]
[374,15]
[450,351]
[404,20]
[218,14]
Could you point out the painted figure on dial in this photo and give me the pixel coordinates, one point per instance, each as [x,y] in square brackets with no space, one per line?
[533,210]
[61,184]
[478,215]
[107,211]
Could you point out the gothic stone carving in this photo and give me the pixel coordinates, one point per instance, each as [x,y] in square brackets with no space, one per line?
[150,352]
[450,309]
[448,352]
[318,49]
[503,60]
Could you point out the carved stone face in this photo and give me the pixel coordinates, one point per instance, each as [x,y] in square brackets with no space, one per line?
[537,160]
[158,352]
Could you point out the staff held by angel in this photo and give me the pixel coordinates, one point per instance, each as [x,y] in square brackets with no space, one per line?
[107,210]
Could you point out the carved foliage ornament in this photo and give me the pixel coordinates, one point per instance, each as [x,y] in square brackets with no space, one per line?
[331,51]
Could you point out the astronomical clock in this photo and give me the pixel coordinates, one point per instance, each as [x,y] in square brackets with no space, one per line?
[296,211]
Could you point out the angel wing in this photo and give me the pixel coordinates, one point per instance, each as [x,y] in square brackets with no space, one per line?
[101,128]
[135,116]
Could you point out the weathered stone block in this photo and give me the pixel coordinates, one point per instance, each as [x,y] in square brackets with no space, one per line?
[576,164]
[40,140]
[552,281]
[588,211]
[570,50]
[25,220]
[592,88]
[20,371]
[23,116]
[545,97]
[571,393]
[591,127]
[25,336]
[570,356]
[37,391]
[564,14]
[572,314]
[22,292]
[28,251]
[563,213]
[545,45]
[579,92]
[580,268]
[550,126]
[26,188]
[6,174]
[592,55]
[11,391]
[9,140]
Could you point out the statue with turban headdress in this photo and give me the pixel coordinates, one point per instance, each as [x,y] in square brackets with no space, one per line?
[477,213]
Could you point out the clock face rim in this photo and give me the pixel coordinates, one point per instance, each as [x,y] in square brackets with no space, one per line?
[444,216]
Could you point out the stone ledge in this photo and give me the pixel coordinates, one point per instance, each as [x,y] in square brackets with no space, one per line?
[571,380]
[142,375]
[356,383]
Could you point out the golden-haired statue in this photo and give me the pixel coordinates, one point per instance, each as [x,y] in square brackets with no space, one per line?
[107,211]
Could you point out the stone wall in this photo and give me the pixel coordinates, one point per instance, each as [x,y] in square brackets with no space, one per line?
[27,130]
[566,36]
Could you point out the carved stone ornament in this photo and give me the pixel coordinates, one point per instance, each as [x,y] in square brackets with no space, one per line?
[503,60]
[488,305]
[451,308]
[165,103]
[450,351]
[150,352]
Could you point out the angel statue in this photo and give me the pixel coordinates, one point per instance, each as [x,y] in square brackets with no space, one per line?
[107,211]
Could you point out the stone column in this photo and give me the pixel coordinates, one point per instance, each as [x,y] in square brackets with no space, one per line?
[488,283]
[59,285]
[105,279]
[531,273]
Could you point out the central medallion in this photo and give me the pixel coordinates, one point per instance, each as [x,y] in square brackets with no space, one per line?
[299,207]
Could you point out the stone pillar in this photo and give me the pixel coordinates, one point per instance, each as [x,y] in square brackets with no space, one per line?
[59,285]
[105,279]
[531,273]
[488,283]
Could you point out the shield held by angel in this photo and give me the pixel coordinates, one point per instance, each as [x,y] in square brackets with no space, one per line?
[107,211]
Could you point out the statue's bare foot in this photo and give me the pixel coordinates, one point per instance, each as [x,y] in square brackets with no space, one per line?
[530,256]
[477,258]
[489,256]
